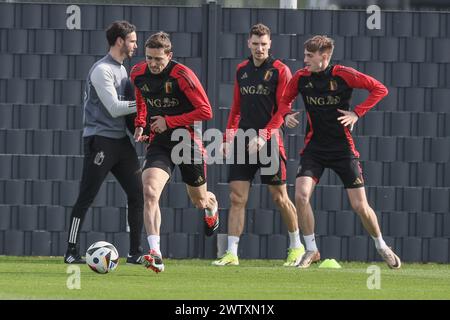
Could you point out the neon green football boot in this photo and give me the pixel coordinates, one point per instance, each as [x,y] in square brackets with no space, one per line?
[294,256]
[228,259]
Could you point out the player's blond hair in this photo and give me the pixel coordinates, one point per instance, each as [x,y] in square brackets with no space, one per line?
[159,40]
[320,43]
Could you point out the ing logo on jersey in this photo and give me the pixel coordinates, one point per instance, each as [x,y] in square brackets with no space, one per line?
[251,90]
[268,75]
[323,101]
[165,102]
[168,87]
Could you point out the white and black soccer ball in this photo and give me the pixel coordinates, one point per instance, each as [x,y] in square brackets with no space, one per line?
[102,257]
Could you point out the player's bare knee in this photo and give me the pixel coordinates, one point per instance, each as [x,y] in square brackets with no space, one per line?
[237,200]
[301,199]
[150,195]
[361,208]
[280,200]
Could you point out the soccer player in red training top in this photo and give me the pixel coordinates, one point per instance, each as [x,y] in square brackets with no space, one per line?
[168,97]
[260,82]
[326,90]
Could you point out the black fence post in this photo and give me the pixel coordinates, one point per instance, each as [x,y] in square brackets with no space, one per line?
[210,33]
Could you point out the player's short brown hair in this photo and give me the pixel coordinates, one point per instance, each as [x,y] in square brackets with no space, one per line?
[119,29]
[159,40]
[259,30]
[320,43]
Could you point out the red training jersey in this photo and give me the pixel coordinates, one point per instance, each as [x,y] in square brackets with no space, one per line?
[257,95]
[175,93]
[323,93]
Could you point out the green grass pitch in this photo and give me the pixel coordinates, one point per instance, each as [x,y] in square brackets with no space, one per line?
[47,277]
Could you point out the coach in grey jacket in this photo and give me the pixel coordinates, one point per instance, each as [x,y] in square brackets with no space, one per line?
[107,147]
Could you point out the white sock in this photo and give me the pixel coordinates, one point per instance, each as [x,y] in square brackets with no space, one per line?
[294,239]
[310,242]
[379,242]
[153,242]
[233,243]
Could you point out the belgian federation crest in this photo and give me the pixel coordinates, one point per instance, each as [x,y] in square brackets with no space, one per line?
[99,157]
[333,85]
[268,75]
[168,87]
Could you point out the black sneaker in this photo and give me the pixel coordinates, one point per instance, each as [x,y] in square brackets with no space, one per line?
[73,257]
[134,259]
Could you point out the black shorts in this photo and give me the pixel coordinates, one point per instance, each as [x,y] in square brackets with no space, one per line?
[348,169]
[159,156]
[276,168]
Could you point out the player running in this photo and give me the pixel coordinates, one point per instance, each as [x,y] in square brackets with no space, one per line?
[169,96]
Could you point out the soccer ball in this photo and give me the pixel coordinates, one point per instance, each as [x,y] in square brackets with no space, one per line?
[102,257]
